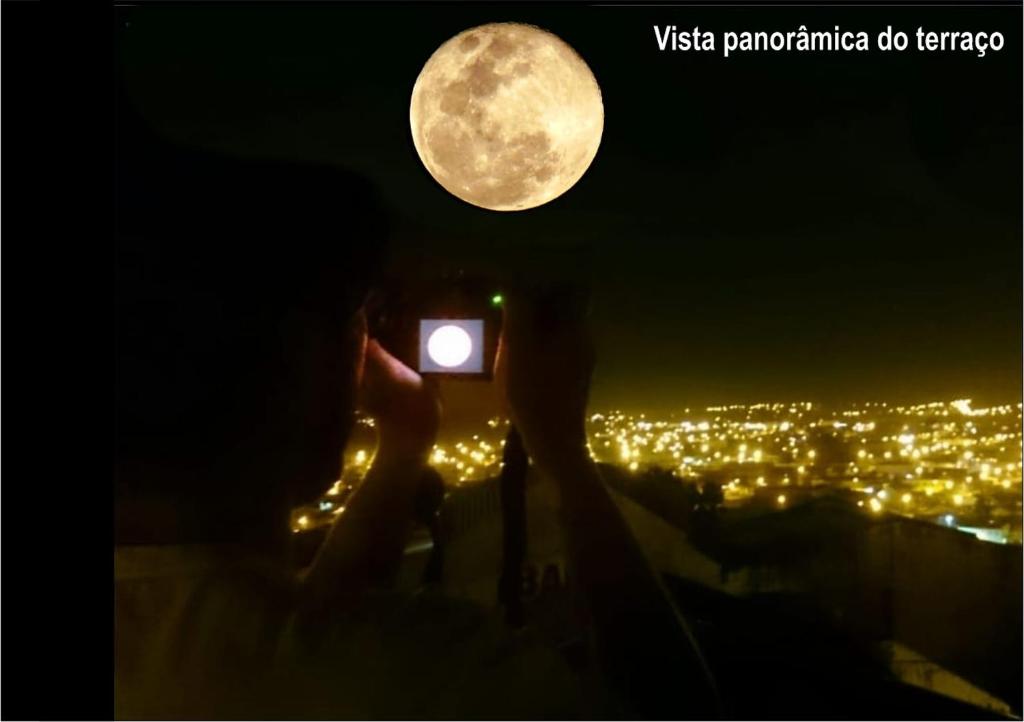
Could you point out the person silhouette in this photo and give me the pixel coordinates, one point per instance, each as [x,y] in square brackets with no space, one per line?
[242,354]
[429,496]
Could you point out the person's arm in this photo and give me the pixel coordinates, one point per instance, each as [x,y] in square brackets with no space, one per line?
[648,653]
[365,545]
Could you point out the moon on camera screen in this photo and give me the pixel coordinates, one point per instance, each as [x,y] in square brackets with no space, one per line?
[451,346]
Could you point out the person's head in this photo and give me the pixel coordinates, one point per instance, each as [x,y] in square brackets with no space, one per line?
[239,335]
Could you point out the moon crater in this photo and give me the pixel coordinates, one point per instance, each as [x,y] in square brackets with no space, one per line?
[506,116]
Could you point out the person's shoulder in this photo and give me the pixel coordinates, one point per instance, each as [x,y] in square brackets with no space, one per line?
[190,626]
[454,658]
[242,641]
[191,586]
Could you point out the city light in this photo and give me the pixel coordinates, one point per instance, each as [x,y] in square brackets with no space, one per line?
[930,459]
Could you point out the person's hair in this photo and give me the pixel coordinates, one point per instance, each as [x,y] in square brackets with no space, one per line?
[231,277]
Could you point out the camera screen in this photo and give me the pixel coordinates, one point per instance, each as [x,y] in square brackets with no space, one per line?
[451,345]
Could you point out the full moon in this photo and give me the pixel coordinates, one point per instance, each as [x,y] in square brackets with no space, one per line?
[506,116]
[449,346]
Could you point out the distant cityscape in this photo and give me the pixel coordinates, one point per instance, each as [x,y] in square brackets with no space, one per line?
[948,463]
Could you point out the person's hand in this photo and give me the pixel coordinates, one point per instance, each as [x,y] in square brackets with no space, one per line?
[545,361]
[406,407]
[364,546]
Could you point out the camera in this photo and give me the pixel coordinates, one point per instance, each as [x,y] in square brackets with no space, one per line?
[446,326]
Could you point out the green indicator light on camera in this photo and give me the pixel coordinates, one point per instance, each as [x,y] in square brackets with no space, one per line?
[496,299]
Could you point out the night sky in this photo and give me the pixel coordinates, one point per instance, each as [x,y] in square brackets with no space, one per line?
[768,226]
